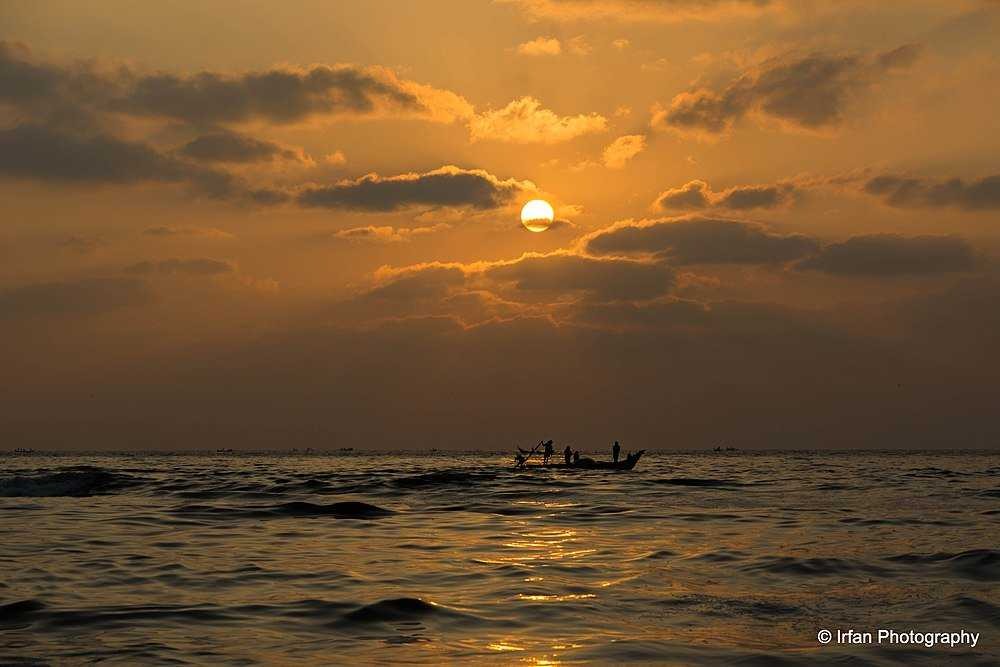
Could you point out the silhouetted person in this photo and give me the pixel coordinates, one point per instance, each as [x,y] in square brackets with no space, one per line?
[519,460]
[568,453]
[616,450]
[576,457]
[547,452]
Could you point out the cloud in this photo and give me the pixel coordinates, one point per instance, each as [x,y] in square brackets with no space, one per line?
[235,147]
[335,158]
[559,224]
[279,95]
[602,278]
[892,255]
[43,153]
[286,95]
[525,121]
[167,231]
[700,240]
[579,46]
[899,191]
[534,284]
[621,43]
[49,91]
[540,46]
[191,267]
[386,234]
[418,282]
[662,11]
[623,149]
[810,92]
[84,297]
[447,186]
[50,155]
[697,194]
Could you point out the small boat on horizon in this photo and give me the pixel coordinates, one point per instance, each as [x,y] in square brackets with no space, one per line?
[587,463]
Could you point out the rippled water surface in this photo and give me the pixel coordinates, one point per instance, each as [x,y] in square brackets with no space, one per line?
[691,558]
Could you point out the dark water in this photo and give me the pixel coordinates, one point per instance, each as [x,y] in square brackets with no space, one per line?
[698,558]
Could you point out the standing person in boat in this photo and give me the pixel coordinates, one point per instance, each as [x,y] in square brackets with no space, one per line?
[616,451]
[547,452]
[576,457]
[568,454]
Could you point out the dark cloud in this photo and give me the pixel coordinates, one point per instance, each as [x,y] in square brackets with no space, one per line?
[690,196]
[268,196]
[44,153]
[420,282]
[276,95]
[59,94]
[447,186]
[23,81]
[85,297]
[698,195]
[192,267]
[893,255]
[756,196]
[516,286]
[810,92]
[982,194]
[700,240]
[601,278]
[236,147]
[205,99]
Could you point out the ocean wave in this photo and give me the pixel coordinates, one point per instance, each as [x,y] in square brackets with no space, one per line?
[396,609]
[813,567]
[624,651]
[859,521]
[14,613]
[443,478]
[341,510]
[82,481]
[695,481]
[964,607]
[978,564]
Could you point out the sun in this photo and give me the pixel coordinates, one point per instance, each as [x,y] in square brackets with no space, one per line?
[537,215]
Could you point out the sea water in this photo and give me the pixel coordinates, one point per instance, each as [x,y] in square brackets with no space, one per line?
[377,558]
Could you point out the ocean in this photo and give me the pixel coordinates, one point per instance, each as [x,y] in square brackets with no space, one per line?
[361,558]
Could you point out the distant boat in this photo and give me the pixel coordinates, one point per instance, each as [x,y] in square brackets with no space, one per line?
[586,463]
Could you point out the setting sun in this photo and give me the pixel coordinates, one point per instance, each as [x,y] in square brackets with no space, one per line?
[537,215]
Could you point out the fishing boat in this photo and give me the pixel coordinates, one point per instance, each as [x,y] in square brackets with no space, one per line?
[587,463]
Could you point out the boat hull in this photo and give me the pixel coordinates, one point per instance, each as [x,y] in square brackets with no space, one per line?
[590,464]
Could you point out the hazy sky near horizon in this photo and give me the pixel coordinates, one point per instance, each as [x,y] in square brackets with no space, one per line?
[252,224]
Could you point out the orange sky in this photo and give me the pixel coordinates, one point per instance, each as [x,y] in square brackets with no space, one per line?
[254,225]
